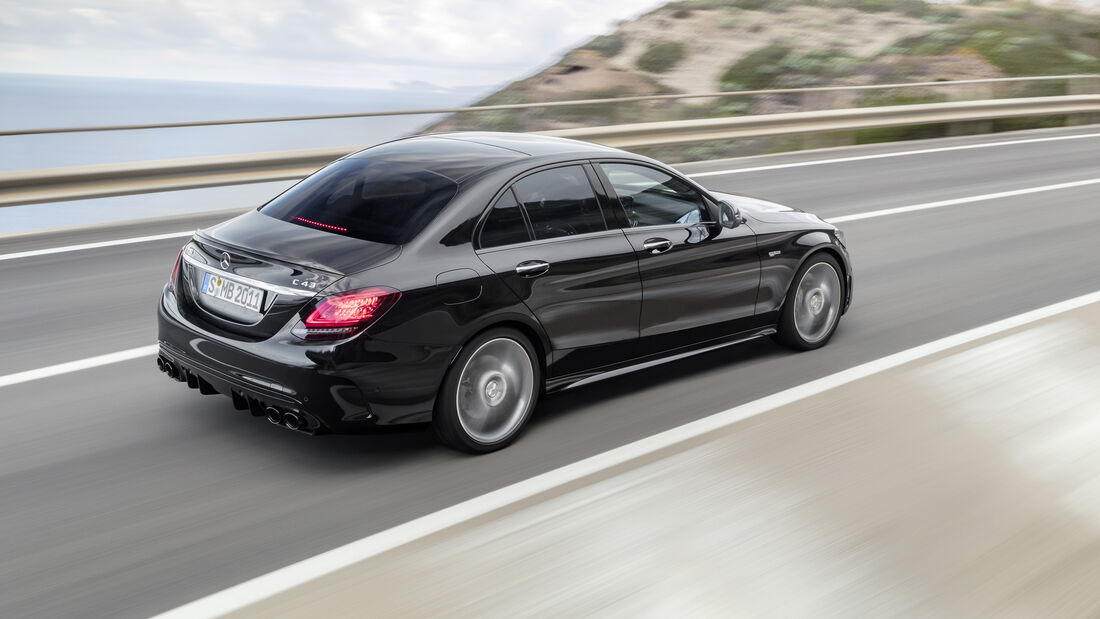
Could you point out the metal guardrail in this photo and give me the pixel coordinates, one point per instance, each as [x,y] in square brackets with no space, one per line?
[1069,79]
[643,135]
[98,181]
[121,179]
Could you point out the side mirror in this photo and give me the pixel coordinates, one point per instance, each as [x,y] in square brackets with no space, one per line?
[730,215]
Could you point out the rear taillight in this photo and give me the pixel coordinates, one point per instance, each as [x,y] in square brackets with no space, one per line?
[175,272]
[346,314]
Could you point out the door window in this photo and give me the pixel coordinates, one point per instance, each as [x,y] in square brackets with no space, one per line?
[654,198]
[560,202]
[505,224]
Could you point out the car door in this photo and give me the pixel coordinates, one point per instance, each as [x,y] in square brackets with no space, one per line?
[699,279]
[548,239]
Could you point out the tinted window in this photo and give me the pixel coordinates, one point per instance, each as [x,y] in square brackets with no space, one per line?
[652,198]
[379,201]
[505,224]
[560,202]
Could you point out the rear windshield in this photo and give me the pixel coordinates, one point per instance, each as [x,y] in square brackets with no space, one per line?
[378,201]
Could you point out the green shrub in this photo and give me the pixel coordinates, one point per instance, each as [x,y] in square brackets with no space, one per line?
[661,56]
[751,5]
[912,8]
[756,70]
[1026,40]
[763,68]
[891,97]
[607,44]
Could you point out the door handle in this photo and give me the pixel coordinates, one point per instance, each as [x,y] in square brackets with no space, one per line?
[657,245]
[532,268]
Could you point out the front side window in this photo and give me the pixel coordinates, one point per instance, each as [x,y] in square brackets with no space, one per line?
[654,198]
[380,201]
[505,224]
[560,202]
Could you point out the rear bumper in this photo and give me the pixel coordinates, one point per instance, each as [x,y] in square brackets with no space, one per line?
[248,394]
[333,388]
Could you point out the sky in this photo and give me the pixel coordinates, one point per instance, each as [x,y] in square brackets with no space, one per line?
[365,43]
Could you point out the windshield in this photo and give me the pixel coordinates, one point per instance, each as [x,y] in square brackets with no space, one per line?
[378,201]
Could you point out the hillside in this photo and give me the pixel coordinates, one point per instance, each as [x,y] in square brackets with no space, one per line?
[712,45]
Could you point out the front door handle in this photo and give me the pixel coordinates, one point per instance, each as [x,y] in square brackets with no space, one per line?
[657,245]
[532,268]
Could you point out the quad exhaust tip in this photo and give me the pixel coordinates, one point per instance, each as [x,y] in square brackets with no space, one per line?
[168,368]
[274,415]
[292,421]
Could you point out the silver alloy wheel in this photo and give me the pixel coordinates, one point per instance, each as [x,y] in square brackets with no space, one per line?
[495,389]
[817,302]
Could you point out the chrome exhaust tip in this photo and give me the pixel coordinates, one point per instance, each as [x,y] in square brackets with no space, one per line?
[274,415]
[292,421]
[171,370]
[160,363]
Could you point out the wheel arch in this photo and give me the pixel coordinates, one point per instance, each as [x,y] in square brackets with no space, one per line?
[845,271]
[532,332]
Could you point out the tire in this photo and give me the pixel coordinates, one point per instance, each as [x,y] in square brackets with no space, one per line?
[814,303]
[489,392]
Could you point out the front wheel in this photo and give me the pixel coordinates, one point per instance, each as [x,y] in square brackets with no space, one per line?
[812,308]
[489,393]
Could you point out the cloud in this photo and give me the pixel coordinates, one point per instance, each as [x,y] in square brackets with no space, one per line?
[330,42]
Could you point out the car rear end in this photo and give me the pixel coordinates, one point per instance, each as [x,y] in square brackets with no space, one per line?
[272,308]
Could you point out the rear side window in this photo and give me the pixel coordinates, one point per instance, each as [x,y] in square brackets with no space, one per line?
[505,224]
[560,202]
[653,198]
[378,201]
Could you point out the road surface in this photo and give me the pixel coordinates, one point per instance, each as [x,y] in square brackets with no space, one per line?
[125,494]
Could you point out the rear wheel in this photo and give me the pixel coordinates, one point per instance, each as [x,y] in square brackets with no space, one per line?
[489,393]
[812,308]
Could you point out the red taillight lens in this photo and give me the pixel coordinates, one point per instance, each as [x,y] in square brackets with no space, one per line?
[175,272]
[346,314]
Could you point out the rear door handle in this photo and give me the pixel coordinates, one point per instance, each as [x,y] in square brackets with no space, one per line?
[532,268]
[657,245]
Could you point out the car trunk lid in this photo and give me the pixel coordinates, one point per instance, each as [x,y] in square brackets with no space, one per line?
[253,274]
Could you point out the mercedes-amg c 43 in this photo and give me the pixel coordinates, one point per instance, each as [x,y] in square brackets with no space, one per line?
[456,278]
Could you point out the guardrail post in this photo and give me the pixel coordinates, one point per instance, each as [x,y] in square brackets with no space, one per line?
[1089,85]
[973,127]
[813,141]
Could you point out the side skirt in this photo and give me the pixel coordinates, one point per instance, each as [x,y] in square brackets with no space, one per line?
[569,382]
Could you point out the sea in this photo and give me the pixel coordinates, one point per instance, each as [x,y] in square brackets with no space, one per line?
[48,101]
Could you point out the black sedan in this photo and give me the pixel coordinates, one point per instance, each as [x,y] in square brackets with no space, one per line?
[455,278]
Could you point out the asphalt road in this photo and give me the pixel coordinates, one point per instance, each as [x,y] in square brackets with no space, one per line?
[123,494]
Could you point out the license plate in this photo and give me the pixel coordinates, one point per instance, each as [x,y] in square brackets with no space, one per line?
[233,292]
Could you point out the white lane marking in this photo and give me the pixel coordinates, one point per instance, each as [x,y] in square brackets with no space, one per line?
[263,587]
[923,151]
[66,248]
[79,364]
[956,201]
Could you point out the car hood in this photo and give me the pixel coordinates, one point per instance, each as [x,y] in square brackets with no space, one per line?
[769,212]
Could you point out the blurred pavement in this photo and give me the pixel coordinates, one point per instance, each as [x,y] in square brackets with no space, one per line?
[964,484]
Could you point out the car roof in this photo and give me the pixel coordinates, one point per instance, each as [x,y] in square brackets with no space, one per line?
[460,155]
[529,143]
